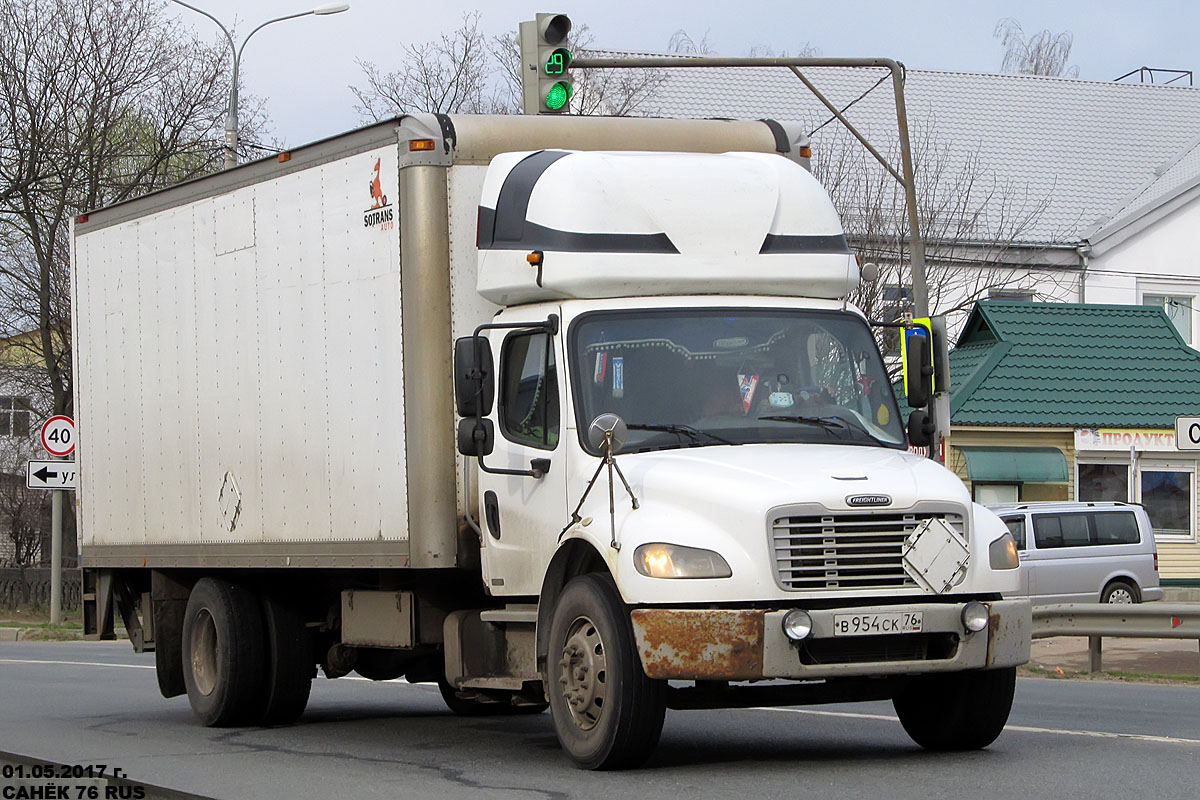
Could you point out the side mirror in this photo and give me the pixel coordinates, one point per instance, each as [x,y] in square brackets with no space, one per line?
[601,428]
[473,370]
[918,369]
[920,428]
[476,437]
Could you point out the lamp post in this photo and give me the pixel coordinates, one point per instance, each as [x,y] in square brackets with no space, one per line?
[231,121]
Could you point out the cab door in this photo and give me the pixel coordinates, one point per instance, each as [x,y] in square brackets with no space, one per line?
[522,514]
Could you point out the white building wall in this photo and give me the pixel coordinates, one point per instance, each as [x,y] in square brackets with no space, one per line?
[1161,259]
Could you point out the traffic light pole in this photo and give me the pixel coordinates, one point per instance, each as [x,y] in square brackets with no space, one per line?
[904,175]
[56,542]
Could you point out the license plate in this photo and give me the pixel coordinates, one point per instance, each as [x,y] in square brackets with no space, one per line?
[877,624]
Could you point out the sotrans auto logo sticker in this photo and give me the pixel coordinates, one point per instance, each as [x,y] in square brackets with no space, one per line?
[868,500]
[380,214]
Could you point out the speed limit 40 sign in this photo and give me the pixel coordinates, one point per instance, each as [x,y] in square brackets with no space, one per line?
[58,436]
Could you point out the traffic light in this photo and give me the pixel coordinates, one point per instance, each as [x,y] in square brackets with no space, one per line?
[546,65]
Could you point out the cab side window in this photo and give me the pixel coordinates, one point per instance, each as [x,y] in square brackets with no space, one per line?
[1016,526]
[529,390]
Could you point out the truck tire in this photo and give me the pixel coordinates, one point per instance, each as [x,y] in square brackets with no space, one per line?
[1120,592]
[290,664]
[956,710]
[223,654]
[607,713]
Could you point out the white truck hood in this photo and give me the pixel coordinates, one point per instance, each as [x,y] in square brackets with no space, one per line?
[761,476]
[721,498]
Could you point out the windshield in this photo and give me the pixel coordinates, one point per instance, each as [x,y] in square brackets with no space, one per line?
[694,377]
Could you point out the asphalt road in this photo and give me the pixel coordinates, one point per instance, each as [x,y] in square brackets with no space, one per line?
[97,702]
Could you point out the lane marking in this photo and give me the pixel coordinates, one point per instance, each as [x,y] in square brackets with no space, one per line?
[74,663]
[1141,737]
[422,684]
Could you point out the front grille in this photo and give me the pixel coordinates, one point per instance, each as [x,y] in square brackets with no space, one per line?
[871,649]
[846,551]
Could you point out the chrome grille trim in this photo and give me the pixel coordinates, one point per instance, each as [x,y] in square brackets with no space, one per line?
[820,550]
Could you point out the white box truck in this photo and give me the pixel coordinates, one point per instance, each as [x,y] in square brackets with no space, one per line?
[565,412]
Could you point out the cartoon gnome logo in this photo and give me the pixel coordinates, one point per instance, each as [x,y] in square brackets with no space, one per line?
[380,213]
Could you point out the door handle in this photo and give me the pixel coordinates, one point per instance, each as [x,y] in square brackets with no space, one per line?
[539,467]
[491,513]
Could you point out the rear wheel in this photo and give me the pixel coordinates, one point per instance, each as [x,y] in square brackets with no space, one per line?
[956,710]
[223,655]
[607,713]
[290,664]
[1120,592]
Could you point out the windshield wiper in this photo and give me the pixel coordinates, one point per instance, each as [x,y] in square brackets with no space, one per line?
[679,428]
[829,423]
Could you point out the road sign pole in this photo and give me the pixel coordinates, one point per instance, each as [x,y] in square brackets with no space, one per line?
[56,580]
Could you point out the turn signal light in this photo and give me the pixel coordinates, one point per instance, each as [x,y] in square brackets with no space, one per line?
[415,145]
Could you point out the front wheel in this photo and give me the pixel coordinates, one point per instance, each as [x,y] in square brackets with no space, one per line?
[956,710]
[607,713]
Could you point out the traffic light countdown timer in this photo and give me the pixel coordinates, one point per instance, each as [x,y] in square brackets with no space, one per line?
[546,60]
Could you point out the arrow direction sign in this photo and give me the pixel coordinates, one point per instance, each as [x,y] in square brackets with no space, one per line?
[50,475]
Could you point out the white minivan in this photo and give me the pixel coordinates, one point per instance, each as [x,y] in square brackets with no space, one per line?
[1084,552]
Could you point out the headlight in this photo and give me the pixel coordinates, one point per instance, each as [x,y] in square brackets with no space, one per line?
[659,560]
[975,616]
[797,624]
[1003,553]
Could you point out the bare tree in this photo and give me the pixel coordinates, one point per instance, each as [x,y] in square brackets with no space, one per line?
[975,226]
[448,75]
[684,45]
[24,513]
[1043,53]
[100,101]
[466,72]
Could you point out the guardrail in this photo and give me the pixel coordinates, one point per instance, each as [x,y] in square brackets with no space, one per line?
[1097,620]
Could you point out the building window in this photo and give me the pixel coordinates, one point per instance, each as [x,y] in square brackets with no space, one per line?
[1103,482]
[1178,308]
[990,494]
[1166,490]
[15,413]
[1011,295]
[1167,498]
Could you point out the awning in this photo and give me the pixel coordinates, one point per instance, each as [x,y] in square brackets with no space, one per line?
[1016,464]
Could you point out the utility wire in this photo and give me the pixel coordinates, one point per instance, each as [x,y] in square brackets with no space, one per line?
[851,103]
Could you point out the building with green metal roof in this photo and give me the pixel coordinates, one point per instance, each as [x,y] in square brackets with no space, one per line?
[1070,401]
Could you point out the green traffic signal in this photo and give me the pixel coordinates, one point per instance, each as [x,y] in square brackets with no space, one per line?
[558,95]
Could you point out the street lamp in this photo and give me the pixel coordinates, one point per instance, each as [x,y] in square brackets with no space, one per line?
[231,122]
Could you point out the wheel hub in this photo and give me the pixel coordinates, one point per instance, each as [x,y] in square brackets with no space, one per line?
[1120,596]
[584,673]
[205,672]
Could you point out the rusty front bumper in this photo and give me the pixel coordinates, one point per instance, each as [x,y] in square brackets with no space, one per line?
[740,645]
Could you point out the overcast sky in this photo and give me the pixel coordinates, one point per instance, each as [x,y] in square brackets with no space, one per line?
[303,67]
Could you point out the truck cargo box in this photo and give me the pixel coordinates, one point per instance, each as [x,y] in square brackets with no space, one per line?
[262,355]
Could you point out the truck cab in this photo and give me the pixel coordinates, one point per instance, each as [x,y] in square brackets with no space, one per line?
[690,415]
